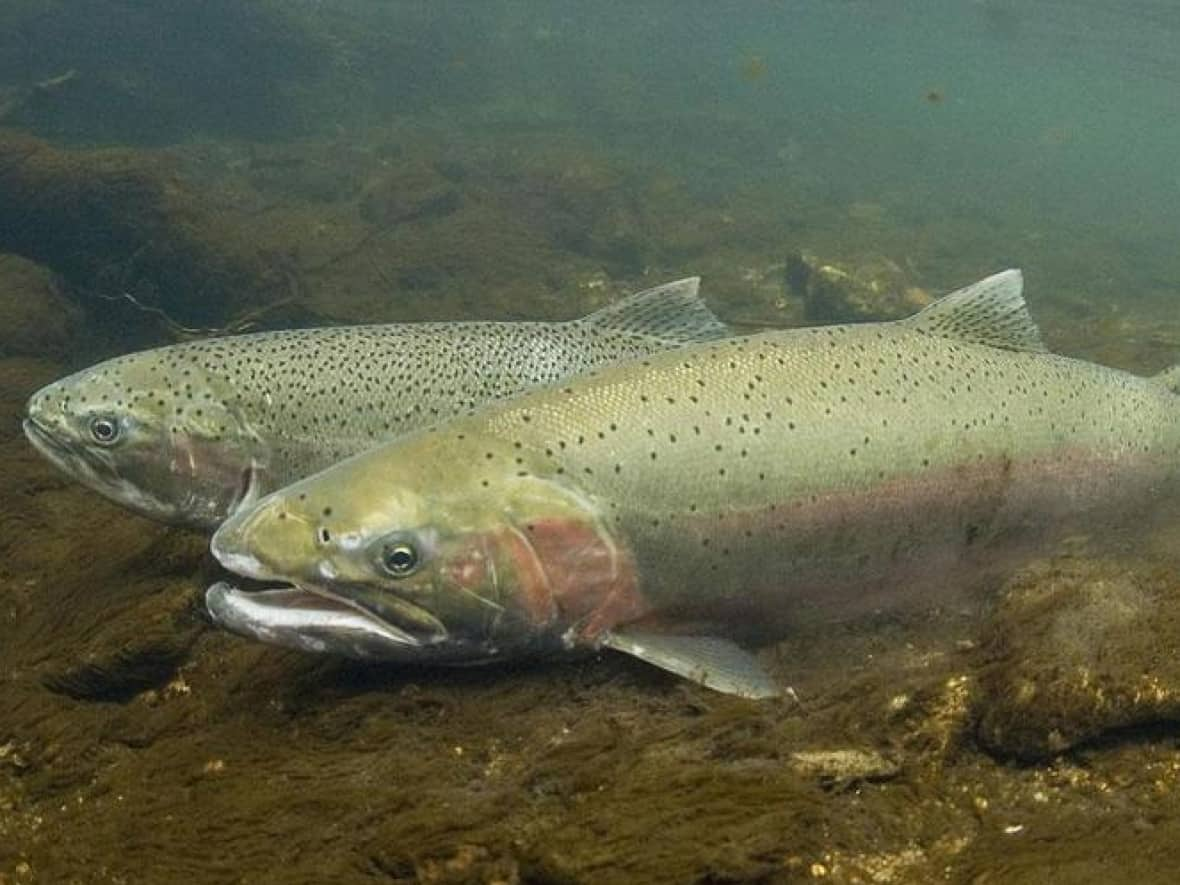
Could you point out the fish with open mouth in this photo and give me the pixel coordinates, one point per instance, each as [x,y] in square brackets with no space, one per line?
[187,434]
[671,505]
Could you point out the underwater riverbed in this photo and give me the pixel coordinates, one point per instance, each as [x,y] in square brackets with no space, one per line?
[1025,734]
[1012,738]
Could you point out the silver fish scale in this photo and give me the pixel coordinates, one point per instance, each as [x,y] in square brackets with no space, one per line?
[845,450]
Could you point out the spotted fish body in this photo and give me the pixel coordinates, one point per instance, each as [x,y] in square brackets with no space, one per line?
[204,426]
[731,485]
[850,463]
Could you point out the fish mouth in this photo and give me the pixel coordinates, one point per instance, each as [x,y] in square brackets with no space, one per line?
[353,621]
[51,448]
[81,464]
[94,471]
[291,617]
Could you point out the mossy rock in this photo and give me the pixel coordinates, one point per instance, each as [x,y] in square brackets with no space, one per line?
[1076,651]
[408,193]
[122,221]
[35,318]
[870,289]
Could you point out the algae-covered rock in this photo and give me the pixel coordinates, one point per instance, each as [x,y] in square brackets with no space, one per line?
[118,221]
[1077,650]
[872,289]
[934,717]
[584,203]
[135,652]
[35,318]
[406,193]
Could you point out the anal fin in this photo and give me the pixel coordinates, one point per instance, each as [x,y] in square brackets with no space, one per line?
[715,663]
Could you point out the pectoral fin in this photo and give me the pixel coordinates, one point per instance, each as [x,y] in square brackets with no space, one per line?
[715,663]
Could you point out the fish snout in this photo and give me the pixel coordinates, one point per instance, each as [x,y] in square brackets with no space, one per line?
[44,412]
[47,428]
[39,402]
[244,545]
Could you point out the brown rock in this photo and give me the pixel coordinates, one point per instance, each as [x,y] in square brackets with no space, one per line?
[116,220]
[409,193]
[1078,650]
[35,318]
[871,289]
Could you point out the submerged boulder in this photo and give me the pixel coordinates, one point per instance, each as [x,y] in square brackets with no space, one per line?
[406,193]
[35,318]
[117,221]
[871,289]
[1078,650]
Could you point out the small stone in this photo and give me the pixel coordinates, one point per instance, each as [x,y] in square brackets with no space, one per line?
[843,767]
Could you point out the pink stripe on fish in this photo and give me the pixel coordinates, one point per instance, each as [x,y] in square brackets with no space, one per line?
[845,552]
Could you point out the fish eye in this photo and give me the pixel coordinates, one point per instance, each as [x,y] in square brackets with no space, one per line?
[399,558]
[104,430]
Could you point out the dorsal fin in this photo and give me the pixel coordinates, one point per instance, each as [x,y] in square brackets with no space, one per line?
[673,311]
[990,312]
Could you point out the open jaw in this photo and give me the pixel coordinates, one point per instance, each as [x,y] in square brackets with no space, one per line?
[293,617]
[311,618]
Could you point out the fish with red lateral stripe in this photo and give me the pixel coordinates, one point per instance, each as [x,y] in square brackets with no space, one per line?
[670,505]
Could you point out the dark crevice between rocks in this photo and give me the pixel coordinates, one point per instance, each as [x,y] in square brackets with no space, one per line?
[120,676]
[140,650]
[1036,750]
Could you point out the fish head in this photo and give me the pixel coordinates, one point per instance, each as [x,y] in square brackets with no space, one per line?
[159,437]
[449,540]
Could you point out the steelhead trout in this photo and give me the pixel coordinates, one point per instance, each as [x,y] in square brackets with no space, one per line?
[664,507]
[186,434]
